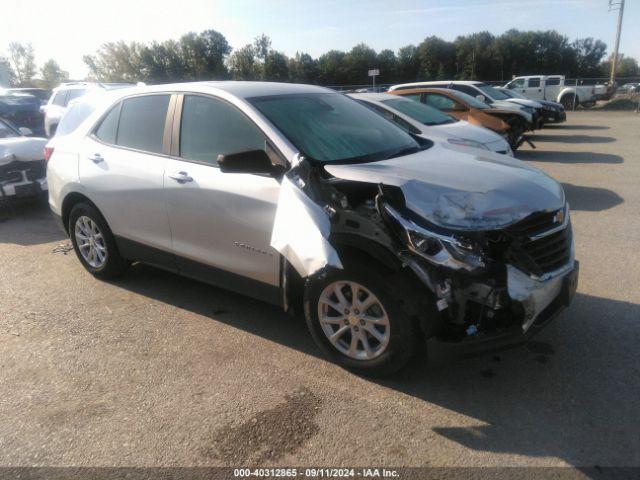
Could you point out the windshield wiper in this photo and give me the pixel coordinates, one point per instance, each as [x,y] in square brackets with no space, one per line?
[404,151]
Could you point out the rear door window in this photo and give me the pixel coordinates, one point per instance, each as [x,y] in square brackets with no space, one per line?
[534,82]
[75,93]
[142,121]
[552,81]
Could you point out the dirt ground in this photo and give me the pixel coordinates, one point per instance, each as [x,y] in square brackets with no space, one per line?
[158,370]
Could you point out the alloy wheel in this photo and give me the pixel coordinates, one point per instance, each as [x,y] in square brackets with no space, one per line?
[354,320]
[90,241]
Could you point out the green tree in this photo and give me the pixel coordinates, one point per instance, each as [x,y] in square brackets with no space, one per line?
[437,59]
[203,55]
[408,64]
[195,56]
[303,68]
[22,61]
[332,68]
[358,62]
[52,74]
[242,64]
[387,63]
[276,67]
[588,54]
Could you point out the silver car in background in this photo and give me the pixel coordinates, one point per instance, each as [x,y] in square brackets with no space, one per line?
[305,198]
[432,124]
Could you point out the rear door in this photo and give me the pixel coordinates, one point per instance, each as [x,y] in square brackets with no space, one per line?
[122,168]
[221,223]
[552,87]
[534,88]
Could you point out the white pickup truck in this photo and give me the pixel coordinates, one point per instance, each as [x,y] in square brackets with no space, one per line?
[553,88]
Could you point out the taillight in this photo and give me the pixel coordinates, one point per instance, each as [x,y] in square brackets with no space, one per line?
[48,151]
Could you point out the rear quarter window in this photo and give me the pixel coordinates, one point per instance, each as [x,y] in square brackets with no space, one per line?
[60,98]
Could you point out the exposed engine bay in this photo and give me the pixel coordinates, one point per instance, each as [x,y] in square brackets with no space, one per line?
[475,262]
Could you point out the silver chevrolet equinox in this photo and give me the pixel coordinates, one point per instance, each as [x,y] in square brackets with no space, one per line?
[304,198]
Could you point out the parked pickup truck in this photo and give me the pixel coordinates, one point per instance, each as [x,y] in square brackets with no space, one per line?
[552,87]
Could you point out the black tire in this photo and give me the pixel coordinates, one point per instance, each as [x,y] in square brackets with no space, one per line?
[404,332]
[114,265]
[567,101]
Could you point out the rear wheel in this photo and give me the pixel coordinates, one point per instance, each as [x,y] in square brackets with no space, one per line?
[358,321]
[94,243]
[567,101]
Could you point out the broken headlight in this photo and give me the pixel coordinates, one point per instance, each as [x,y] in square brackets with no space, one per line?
[441,249]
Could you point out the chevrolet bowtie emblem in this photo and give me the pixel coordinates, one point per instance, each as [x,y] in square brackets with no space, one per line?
[559,217]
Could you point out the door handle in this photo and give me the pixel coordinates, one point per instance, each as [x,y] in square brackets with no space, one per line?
[96,158]
[181,177]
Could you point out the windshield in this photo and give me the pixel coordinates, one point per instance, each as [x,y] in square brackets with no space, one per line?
[468,99]
[512,94]
[7,131]
[18,100]
[491,92]
[330,127]
[419,111]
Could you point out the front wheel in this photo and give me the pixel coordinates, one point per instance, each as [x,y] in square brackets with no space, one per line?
[357,319]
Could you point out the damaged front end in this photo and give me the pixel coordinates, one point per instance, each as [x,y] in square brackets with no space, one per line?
[22,168]
[474,264]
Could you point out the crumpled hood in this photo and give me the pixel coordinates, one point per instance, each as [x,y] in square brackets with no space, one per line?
[26,149]
[463,191]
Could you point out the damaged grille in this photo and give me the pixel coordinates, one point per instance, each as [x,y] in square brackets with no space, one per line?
[544,254]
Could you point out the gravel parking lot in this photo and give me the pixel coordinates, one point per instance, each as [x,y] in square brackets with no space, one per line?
[158,370]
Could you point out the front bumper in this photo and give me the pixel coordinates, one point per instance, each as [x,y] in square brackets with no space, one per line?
[555,117]
[542,303]
[23,188]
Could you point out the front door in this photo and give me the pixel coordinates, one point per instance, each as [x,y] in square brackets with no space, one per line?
[221,223]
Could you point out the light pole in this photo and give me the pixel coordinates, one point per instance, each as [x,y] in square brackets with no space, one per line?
[614,63]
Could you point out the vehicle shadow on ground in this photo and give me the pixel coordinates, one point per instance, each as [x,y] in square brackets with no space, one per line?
[572,138]
[591,199]
[576,127]
[568,157]
[570,393]
[28,222]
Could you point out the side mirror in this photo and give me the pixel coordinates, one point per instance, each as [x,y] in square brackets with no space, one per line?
[480,97]
[27,132]
[251,161]
[511,86]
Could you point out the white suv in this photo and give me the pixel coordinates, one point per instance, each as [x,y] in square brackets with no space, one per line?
[63,95]
[303,197]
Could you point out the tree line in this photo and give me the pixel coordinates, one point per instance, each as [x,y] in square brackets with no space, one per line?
[23,69]
[207,55]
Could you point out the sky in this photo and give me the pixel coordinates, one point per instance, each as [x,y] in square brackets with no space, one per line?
[69,29]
